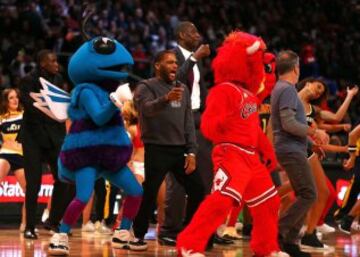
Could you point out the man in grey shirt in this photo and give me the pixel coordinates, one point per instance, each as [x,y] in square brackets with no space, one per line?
[290,132]
[168,132]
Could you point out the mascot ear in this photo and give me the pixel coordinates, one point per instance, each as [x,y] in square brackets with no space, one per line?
[270,76]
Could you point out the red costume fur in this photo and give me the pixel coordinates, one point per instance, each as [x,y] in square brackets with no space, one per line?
[231,122]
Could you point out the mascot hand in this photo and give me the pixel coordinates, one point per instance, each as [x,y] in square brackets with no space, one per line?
[115,100]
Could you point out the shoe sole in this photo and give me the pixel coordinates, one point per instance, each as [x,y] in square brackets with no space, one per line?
[343,230]
[129,247]
[58,252]
[307,248]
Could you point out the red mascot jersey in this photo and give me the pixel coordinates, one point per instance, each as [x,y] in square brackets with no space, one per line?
[231,116]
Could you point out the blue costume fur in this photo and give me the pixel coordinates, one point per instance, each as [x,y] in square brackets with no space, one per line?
[97,144]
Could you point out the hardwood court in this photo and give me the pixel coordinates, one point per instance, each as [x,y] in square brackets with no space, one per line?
[12,244]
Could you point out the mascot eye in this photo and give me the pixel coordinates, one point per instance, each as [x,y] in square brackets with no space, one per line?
[103,45]
[268,68]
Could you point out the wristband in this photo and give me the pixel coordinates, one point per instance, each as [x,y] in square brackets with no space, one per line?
[352,148]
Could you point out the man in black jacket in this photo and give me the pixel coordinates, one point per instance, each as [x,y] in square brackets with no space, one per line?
[168,133]
[42,138]
[189,54]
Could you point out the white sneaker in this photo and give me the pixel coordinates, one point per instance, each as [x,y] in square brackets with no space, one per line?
[190,253]
[325,229]
[59,244]
[231,233]
[123,239]
[45,215]
[88,227]
[278,254]
[101,228]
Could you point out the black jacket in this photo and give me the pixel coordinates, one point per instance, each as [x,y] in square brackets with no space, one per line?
[47,132]
[183,74]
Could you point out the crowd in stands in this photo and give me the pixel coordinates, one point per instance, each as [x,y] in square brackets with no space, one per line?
[324,33]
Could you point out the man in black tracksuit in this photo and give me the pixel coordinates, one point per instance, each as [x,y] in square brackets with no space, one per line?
[42,138]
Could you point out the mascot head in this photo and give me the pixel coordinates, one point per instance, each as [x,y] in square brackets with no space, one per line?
[98,59]
[241,59]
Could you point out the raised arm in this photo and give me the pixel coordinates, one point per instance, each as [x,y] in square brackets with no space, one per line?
[339,115]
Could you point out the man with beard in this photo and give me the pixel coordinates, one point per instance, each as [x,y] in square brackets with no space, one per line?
[167,130]
[189,54]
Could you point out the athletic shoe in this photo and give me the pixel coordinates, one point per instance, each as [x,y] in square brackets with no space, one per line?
[101,228]
[123,239]
[294,250]
[59,244]
[310,242]
[231,233]
[190,253]
[89,227]
[345,224]
[325,229]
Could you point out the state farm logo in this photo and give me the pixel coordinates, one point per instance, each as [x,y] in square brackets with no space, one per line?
[7,189]
[10,190]
[248,109]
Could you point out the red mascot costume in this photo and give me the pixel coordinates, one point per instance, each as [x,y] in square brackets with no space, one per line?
[231,122]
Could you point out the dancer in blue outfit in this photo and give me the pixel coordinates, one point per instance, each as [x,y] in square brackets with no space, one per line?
[97,144]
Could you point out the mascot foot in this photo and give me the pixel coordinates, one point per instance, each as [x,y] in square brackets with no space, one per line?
[124,240]
[59,244]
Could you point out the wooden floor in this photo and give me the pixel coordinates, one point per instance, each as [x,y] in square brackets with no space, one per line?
[12,244]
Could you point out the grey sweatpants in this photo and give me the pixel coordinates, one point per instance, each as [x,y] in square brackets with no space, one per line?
[301,179]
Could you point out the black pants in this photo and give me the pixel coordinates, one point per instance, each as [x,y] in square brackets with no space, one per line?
[100,198]
[175,200]
[352,192]
[63,193]
[159,160]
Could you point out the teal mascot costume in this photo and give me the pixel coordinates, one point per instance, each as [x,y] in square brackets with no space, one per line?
[97,144]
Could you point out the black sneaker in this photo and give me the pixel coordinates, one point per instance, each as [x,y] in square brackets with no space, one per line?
[345,224]
[294,250]
[138,244]
[310,242]
[30,234]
